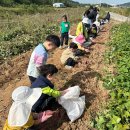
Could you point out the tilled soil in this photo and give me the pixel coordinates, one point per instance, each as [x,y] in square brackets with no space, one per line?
[87,74]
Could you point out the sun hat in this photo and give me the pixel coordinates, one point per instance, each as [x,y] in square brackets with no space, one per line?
[79,39]
[24,98]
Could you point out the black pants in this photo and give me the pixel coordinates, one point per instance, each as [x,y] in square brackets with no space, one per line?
[64,36]
[79,52]
[32,79]
[93,35]
[44,104]
[70,62]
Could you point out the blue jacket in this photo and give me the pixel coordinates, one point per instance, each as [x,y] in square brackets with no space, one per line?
[44,100]
[42,82]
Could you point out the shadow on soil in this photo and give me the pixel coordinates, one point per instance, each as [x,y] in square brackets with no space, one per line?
[80,79]
[60,116]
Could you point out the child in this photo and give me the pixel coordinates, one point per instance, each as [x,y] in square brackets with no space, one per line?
[64,30]
[93,31]
[68,58]
[20,116]
[81,43]
[40,54]
[47,99]
[83,28]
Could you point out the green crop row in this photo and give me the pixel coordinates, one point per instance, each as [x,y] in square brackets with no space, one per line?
[12,34]
[19,41]
[116,115]
[24,9]
[19,33]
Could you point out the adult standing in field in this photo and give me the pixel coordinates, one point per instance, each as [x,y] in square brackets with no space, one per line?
[97,16]
[88,11]
[40,54]
[92,13]
[64,31]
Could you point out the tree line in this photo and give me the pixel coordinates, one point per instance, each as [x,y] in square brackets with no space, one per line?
[39,2]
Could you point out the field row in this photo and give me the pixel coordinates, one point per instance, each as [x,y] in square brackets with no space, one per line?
[117,114]
[21,33]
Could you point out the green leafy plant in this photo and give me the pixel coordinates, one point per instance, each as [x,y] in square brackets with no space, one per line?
[116,116]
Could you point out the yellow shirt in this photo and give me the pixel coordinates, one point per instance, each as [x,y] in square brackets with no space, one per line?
[79,29]
[27,125]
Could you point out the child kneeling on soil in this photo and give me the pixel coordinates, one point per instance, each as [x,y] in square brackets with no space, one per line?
[40,56]
[47,99]
[68,57]
[93,31]
[20,115]
[81,43]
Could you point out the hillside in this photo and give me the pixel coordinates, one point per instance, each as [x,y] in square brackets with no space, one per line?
[105,5]
[125,5]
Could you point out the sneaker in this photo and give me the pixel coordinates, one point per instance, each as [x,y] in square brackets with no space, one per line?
[68,67]
[60,47]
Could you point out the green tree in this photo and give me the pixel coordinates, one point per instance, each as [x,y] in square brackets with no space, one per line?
[23,1]
[44,2]
[6,2]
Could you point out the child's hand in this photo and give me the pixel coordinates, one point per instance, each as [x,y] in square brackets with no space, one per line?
[46,115]
[49,112]
[87,50]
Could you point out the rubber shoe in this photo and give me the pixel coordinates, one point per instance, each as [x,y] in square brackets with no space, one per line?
[68,67]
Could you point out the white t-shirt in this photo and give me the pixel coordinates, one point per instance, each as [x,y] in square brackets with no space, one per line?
[38,58]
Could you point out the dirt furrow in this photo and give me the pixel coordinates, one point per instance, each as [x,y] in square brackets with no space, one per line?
[87,74]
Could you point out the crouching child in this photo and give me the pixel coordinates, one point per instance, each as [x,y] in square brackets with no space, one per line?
[40,55]
[20,115]
[48,98]
[68,57]
[93,31]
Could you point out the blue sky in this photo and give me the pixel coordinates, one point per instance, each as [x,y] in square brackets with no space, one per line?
[103,1]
